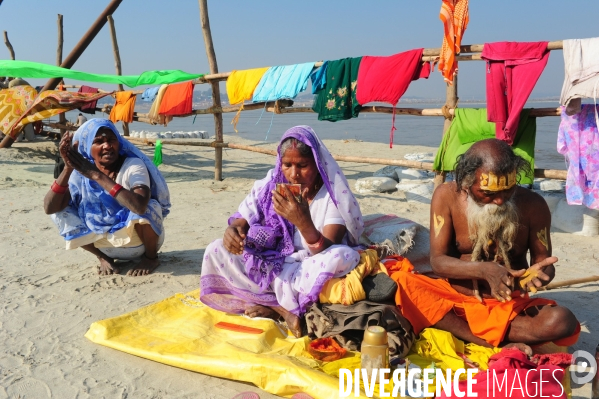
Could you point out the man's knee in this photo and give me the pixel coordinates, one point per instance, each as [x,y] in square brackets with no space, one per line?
[560,321]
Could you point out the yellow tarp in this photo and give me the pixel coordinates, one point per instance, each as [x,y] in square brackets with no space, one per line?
[179,331]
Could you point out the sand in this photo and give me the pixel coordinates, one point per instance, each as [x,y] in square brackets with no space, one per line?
[50,296]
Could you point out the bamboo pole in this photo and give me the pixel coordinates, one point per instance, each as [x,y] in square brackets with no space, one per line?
[60,41]
[478,48]
[545,173]
[218,117]
[451,101]
[566,283]
[62,118]
[117,62]
[78,86]
[11,50]
[537,112]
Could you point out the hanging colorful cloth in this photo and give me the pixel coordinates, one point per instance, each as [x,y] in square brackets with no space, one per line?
[336,101]
[319,77]
[13,104]
[386,79]
[122,110]
[28,69]
[454,15]
[157,153]
[177,100]
[50,103]
[285,81]
[89,108]
[153,115]
[241,86]
[578,141]
[470,125]
[512,71]
[150,93]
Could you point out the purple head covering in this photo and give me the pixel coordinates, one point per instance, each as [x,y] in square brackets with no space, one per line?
[270,236]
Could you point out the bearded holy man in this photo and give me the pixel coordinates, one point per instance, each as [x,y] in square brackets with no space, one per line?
[482,226]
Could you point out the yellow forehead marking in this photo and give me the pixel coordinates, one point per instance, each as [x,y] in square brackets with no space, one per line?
[438,222]
[491,182]
[542,236]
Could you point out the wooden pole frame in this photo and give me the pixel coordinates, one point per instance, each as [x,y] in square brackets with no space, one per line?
[451,101]
[62,118]
[11,50]
[117,62]
[541,173]
[75,53]
[218,117]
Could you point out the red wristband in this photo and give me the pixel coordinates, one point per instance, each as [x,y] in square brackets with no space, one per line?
[317,244]
[58,189]
[114,190]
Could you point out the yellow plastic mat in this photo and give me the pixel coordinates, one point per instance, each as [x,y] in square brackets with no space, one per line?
[179,331]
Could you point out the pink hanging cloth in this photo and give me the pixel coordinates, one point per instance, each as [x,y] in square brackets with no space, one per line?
[512,71]
[386,79]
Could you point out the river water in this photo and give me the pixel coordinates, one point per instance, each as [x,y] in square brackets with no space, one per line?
[411,130]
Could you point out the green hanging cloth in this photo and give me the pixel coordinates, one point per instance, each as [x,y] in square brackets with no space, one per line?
[470,125]
[336,101]
[157,153]
[28,69]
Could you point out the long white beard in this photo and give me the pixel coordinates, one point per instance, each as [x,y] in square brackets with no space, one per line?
[492,223]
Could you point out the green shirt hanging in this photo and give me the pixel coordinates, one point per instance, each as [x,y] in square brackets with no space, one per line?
[470,125]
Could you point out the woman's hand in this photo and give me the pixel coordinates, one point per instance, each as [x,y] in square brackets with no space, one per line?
[234,236]
[297,213]
[63,148]
[80,164]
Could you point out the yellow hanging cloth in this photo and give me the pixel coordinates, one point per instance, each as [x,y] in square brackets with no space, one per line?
[153,115]
[241,86]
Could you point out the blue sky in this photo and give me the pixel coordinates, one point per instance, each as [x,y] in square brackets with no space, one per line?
[155,34]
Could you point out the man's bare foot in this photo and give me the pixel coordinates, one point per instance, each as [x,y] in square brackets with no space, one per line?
[144,267]
[523,347]
[261,311]
[107,267]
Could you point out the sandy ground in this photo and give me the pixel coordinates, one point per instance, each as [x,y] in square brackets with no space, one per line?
[50,296]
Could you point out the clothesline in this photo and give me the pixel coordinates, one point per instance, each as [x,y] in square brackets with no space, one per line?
[428,54]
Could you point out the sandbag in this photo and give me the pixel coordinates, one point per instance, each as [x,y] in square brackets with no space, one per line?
[368,185]
[575,219]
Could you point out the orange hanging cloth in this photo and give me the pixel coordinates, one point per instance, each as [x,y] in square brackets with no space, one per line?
[177,100]
[122,110]
[454,15]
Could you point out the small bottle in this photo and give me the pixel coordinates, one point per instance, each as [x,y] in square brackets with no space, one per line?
[375,349]
[595,385]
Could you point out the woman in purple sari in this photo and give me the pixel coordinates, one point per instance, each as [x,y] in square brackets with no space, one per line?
[278,252]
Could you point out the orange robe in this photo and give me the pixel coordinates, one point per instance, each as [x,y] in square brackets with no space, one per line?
[122,110]
[424,301]
[454,15]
